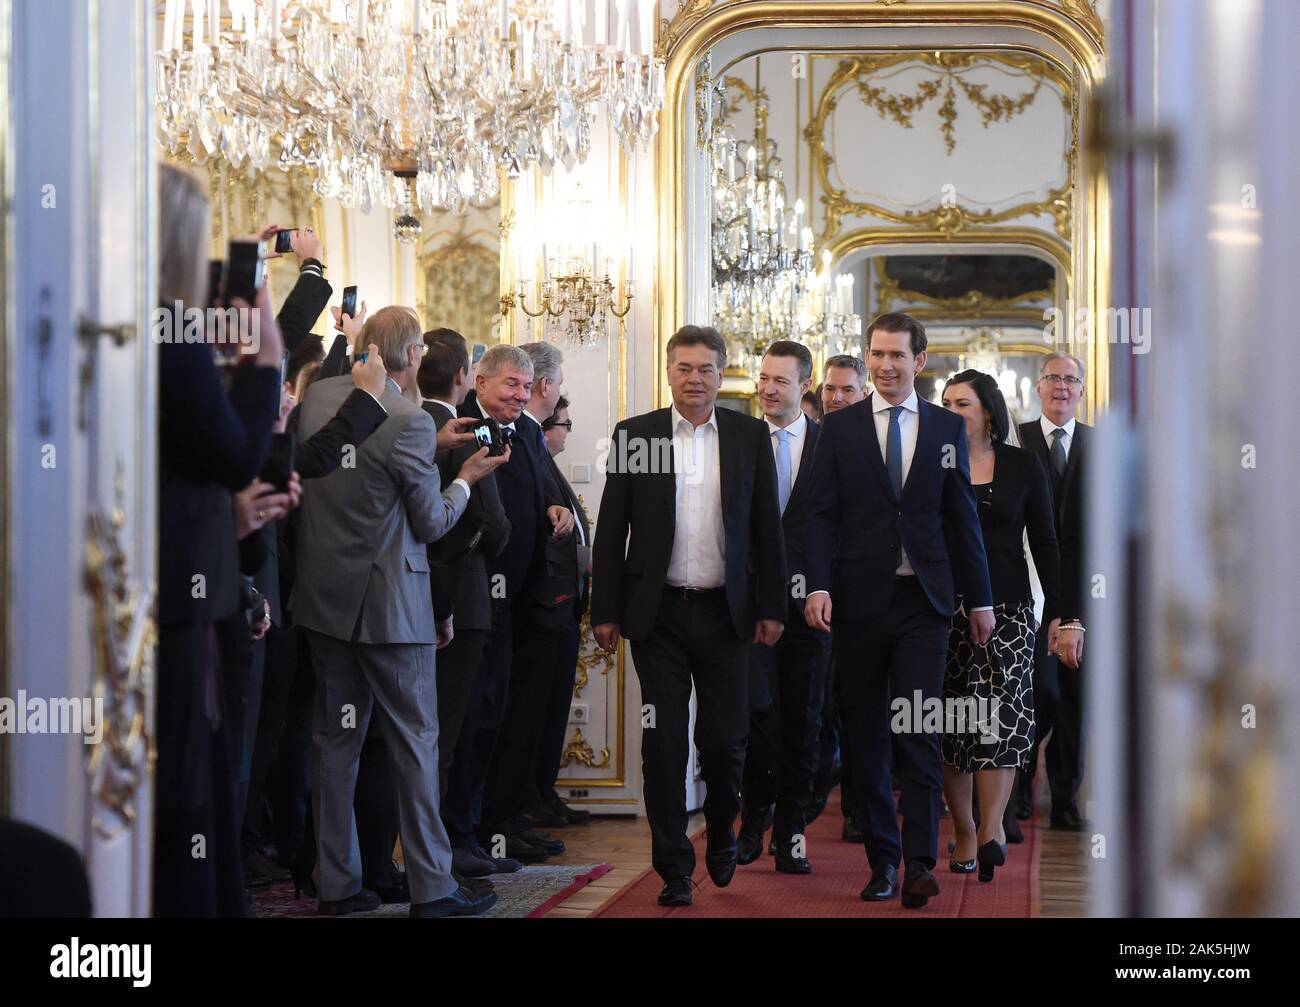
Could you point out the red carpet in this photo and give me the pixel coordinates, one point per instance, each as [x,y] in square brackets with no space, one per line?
[839,872]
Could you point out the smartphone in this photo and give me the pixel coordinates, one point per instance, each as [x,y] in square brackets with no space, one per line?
[216,272]
[488,435]
[361,358]
[245,272]
[284,239]
[279,462]
[349,306]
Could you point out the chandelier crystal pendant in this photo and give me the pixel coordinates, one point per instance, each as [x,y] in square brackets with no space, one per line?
[450,92]
[826,314]
[761,250]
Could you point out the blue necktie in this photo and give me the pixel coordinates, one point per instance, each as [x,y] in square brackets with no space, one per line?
[784,470]
[894,453]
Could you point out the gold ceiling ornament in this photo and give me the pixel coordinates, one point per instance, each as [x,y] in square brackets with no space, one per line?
[974,304]
[949,218]
[124,636]
[579,750]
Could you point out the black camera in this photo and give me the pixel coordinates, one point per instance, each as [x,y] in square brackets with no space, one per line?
[495,438]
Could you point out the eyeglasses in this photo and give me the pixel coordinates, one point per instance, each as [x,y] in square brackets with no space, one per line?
[1056,379]
[567,424]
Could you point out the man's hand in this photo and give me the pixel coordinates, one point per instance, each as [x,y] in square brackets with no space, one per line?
[1069,647]
[456,432]
[263,237]
[295,490]
[768,631]
[561,520]
[349,325]
[817,611]
[371,376]
[259,627]
[256,504]
[479,464]
[606,635]
[444,633]
[981,626]
[306,245]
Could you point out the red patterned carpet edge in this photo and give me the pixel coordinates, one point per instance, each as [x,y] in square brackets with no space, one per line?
[578,883]
[839,873]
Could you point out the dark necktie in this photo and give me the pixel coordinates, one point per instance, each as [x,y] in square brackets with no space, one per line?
[894,453]
[1058,461]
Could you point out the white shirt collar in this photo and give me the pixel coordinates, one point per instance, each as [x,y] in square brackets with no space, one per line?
[796,429]
[445,405]
[484,413]
[882,405]
[1048,426]
[532,417]
[679,419]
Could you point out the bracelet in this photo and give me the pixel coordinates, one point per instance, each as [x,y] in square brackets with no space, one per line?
[1078,626]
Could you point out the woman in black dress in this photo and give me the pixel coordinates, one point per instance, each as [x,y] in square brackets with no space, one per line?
[993,683]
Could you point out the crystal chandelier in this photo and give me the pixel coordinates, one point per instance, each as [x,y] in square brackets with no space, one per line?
[762,252]
[826,315]
[367,93]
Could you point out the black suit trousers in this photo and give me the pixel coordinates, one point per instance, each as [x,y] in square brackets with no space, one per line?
[462,803]
[898,654]
[457,666]
[1058,709]
[787,685]
[693,641]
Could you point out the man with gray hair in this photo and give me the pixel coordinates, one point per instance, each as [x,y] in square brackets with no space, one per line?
[503,386]
[1061,443]
[362,596]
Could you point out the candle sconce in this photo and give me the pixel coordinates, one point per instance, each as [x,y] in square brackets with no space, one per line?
[574,305]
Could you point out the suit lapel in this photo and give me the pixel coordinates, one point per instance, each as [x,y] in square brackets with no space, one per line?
[662,427]
[1074,458]
[922,428]
[728,464]
[805,462]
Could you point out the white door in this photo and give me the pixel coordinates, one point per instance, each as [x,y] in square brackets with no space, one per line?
[80,418]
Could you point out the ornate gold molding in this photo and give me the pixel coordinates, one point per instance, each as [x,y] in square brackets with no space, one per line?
[124,637]
[950,218]
[579,750]
[671,31]
[974,304]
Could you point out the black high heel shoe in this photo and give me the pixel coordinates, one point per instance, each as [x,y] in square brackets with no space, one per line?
[991,856]
[961,866]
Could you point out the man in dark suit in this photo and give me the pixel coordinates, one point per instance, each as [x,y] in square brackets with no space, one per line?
[689,566]
[893,504]
[786,682]
[1061,443]
[458,561]
[502,386]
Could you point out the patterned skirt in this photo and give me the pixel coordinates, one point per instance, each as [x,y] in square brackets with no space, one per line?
[988,692]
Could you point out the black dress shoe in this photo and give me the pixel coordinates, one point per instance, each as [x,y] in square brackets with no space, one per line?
[1012,828]
[676,892]
[520,849]
[574,816]
[749,845]
[991,856]
[553,847]
[919,885]
[260,871]
[363,902]
[475,886]
[883,885]
[394,894]
[1068,819]
[792,865]
[458,903]
[815,808]
[852,832]
[473,862]
[544,818]
[720,857]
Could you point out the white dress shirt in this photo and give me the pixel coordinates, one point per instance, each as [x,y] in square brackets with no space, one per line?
[908,425]
[1047,426]
[698,558]
[445,405]
[797,431]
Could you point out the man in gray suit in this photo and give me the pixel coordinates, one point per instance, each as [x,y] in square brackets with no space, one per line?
[362,596]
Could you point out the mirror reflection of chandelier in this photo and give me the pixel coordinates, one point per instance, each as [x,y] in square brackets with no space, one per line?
[826,315]
[983,353]
[762,251]
[446,91]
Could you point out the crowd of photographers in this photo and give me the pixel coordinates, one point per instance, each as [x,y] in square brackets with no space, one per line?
[341,527]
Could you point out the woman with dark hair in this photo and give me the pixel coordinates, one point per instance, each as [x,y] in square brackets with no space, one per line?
[992,685]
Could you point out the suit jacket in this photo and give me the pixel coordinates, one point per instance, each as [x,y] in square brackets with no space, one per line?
[638,514]
[1020,502]
[792,520]
[459,559]
[307,299]
[210,444]
[525,498]
[1068,510]
[565,578]
[363,571]
[854,520]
